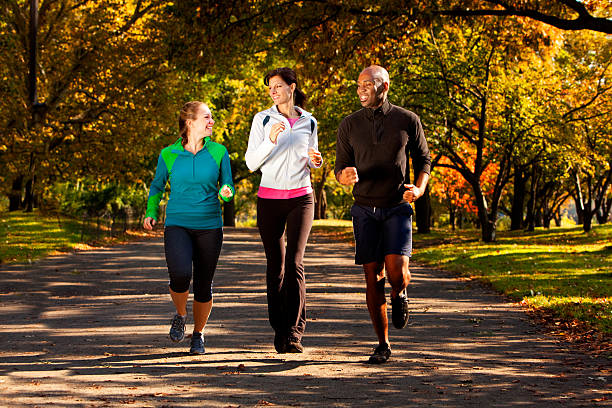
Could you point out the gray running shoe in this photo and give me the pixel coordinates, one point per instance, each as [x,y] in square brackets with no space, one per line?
[197,344]
[381,354]
[399,310]
[177,328]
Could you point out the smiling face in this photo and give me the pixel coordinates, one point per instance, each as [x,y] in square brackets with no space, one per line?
[202,126]
[280,92]
[372,87]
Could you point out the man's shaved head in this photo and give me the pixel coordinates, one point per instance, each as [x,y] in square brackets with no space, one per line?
[377,72]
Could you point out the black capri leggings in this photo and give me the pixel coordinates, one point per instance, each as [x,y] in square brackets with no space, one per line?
[190,250]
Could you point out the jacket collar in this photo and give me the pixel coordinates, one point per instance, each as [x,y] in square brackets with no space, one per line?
[178,146]
[384,109]
[275,110]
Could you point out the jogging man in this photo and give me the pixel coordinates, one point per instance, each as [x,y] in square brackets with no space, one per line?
[372,151]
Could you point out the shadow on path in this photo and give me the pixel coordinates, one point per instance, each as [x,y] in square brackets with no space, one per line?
[90,329]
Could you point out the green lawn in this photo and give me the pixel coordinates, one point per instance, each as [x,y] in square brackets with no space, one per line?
[562,270]
[25,237]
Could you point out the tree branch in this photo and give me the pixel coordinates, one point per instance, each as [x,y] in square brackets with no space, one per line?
[582,22]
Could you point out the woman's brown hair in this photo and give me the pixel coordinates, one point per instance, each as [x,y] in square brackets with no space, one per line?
[188,111]
[290,77]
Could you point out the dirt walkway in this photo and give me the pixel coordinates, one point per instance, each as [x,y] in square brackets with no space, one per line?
[90,329]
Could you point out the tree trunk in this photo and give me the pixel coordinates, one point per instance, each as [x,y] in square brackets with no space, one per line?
[532,200]
[604,211]
[452,210]
[28,199]
[488,231]
[588,220]
[422,208]
[557,218]
[15,194]
[487,227]
[320,198]
[518,200]
[578,198]
[539,220]
[229,214]
[579,210]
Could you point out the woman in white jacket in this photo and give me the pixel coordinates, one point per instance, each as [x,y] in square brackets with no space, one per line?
[283,145]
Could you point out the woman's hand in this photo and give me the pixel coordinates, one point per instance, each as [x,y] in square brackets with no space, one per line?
[315,156]
[149,223]
[276,130]
[226,191]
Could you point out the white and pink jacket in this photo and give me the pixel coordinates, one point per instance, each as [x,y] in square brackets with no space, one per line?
[285,165]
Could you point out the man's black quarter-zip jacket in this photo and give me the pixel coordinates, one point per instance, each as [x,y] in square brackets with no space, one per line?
[378,143]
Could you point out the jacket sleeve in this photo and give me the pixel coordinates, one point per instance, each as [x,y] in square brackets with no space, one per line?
[313,143]
[260,146]
[344,151]
[419,151]
[158,186]
[225,176]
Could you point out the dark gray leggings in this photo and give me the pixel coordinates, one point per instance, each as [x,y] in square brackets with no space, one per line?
[286,286]
[197,251]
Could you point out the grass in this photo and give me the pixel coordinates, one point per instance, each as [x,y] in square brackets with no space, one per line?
[561,271]
[25,237]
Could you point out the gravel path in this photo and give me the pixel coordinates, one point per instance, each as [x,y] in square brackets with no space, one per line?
[90,329]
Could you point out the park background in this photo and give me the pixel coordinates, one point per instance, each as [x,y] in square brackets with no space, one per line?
[514,97]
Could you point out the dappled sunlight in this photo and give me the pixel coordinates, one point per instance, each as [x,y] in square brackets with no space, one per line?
[102,324]
[523,265]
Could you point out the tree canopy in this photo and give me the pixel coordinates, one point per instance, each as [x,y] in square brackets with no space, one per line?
[514,95]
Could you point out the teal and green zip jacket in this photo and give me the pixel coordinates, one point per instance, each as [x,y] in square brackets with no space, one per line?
[195,183]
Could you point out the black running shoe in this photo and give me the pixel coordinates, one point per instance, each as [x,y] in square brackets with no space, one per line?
[197,344]
[399,310]
[177,328]
[381,354]
[280,343]
[294,345]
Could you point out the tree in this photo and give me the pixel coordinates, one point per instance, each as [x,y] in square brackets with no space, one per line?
[584,116]
[450,187]
[101,86]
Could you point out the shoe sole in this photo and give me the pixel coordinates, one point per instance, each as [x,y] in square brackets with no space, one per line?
[376,362]
[378,359]
[401,326]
